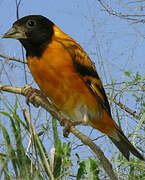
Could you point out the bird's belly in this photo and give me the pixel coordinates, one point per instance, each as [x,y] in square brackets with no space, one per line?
[65,88]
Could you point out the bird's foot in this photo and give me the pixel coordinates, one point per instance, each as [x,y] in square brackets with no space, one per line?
[67,123]
[31,93]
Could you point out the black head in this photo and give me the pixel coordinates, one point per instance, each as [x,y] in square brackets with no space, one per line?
[34,32]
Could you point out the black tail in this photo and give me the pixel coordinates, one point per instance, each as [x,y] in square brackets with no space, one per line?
[124,146]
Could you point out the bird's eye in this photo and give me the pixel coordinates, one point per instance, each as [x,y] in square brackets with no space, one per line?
[31,23]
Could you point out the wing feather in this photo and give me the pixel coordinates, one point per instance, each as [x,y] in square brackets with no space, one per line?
[86,69]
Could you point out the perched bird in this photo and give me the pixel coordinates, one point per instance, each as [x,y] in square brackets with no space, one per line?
[68,77]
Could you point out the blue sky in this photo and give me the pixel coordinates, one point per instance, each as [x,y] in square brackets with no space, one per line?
[113,44]
[86,22]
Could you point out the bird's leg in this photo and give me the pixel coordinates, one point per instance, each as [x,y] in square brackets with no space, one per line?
[67,123]
[30,93]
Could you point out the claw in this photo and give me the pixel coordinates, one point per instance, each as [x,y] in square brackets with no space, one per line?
[67,123]
[31,93]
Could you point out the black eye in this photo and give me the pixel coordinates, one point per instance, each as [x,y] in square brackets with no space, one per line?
[31,23]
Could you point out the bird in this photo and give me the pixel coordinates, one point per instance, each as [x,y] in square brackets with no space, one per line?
[67,76]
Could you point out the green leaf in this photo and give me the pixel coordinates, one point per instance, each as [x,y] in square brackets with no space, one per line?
[58,160]
[142,79]
[66,149]
[41,151]
[21,159]
[55,133]
[81,171]
[88,169]
[4,168]
[16,105]
[127,73]
[94,168]
[141,121]
[10,149]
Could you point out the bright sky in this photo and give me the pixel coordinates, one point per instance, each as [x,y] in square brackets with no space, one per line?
[115,42]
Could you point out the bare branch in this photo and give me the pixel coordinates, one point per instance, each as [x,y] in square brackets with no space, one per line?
[132,17]
[124,107]
[17,16]
[13,58]
[17,8]
[55,113]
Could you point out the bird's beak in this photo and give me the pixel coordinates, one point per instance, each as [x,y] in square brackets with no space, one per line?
[15,33]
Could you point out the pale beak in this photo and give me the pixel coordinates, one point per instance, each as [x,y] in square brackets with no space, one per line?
[15,33]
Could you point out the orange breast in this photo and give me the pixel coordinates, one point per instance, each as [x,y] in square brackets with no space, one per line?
[56,77]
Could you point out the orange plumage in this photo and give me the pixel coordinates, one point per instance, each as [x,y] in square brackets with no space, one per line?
[65,73]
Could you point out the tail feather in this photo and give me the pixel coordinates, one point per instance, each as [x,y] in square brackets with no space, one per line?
[125,146]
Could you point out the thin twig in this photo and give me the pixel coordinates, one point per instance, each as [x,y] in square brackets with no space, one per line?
[17,8]
[132,17]
[124,107]
[22,49]
[35,135]
[58,115]
[79,145]
[12,58]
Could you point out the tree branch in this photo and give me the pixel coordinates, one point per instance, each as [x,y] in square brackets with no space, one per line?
[12,58]
[122,106]
[132,17]
[125,108]
[58,115]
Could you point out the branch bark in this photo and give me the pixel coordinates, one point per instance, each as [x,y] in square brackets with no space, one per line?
[58,115]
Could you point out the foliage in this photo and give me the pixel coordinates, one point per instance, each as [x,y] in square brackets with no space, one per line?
[17,163]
